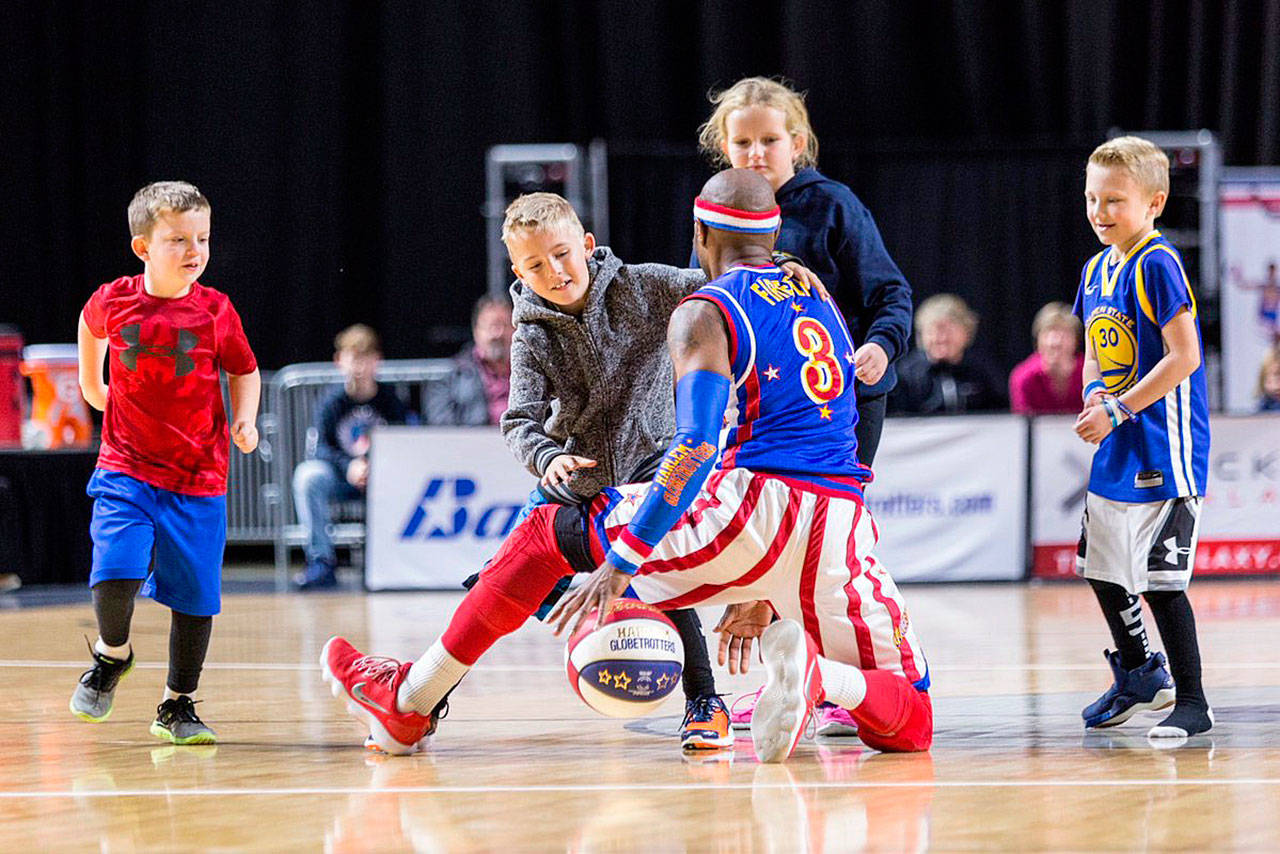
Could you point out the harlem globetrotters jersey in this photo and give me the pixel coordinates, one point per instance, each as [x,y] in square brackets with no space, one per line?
[1164,452]
[793,409]
[165,422]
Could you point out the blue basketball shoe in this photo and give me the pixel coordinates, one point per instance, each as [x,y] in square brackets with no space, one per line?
[1145,688]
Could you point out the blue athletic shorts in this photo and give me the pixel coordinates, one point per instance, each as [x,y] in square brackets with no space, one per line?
[134,521]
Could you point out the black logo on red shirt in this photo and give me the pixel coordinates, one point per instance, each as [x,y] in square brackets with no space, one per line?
[183,364]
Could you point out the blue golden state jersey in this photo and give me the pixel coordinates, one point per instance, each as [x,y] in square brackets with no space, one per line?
[1164,452]
[793,409]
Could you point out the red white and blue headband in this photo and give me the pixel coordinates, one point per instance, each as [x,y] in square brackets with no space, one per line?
[733,219]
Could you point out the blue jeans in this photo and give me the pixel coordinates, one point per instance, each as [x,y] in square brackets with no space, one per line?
[316,484]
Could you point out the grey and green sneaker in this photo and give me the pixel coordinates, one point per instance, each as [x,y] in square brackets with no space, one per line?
[96,692]
[176,721]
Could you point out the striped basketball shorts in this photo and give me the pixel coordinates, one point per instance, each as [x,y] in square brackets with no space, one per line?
[804,549]
[1143,546]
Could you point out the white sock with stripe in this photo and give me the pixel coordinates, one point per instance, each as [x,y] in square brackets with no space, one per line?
[843,684]
[430,678]
[120,653]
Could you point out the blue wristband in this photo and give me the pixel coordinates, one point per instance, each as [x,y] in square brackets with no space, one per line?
[1108,403]
[1128,413]
[1094,385]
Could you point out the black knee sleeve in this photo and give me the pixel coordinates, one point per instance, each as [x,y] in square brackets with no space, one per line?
[1123,612]
[113,606]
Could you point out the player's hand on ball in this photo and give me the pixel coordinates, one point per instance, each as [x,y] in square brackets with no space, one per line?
[741,624]
[563,466]
[245,436]
[601,587]
[870,361]
[1093,425]
[807,277]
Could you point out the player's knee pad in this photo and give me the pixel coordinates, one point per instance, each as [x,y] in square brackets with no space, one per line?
[894,716]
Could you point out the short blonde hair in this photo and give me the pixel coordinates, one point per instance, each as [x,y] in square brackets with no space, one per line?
[1055,315]
[359,339]
[539,212]
[1270,361]
[945,307]
[160,197]
[1145,161]
[757,92]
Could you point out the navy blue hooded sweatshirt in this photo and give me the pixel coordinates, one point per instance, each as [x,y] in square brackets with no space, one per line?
[832,232]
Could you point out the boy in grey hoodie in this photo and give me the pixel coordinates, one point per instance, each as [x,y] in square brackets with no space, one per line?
[591,401]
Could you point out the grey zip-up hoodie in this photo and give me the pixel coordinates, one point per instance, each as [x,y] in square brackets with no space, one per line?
[598,385]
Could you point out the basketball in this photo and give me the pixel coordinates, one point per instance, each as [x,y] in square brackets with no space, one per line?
[627,666]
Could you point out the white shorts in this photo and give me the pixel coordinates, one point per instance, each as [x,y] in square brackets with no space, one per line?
[1141,547]
[804,549]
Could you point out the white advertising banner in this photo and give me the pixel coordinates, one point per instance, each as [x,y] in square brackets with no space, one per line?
[441,500]
[1240,526]
[1250,217]
[950,498]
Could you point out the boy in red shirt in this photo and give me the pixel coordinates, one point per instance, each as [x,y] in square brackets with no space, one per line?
[159,512]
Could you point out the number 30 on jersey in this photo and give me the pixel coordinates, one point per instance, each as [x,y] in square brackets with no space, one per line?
[820,375]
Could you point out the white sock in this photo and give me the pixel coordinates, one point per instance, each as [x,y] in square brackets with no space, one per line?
[170,694]
[430,678]
[843,684]
[118,652]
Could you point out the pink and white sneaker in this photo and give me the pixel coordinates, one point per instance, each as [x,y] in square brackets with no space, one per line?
[370,684]
[835,721]
[793,686]
[740,711]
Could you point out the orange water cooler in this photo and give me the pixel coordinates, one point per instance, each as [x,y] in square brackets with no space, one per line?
[59,414]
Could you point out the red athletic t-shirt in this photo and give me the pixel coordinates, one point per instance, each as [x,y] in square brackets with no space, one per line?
[165,422]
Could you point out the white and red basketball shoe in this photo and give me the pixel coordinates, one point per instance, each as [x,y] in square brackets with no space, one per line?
[370,684]
[792,687]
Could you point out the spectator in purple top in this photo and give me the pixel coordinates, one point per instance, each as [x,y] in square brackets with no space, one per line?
[475,393]
[1050,379]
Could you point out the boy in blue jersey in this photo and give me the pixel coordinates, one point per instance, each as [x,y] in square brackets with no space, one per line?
[1145,406]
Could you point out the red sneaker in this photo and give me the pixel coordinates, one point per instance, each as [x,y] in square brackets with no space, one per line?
[793,686]
[370,684]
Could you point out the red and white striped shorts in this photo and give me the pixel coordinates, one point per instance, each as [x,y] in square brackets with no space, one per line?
[805,550]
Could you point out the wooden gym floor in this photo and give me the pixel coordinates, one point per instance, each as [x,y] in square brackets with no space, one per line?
[521,764]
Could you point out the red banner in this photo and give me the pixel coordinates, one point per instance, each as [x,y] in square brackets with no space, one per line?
[1213,557]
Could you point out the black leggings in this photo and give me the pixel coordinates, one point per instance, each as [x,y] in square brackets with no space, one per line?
[698,679]
[870,424]
[188,634]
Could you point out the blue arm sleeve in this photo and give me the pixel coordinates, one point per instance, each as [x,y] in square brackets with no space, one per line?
[701,397]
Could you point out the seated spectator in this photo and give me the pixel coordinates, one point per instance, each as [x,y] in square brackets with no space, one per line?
[941,376]
[1050,379]
[476,391]
[1269,381]
[340,468]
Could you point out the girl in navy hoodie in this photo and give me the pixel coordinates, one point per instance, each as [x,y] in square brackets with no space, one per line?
[763,124]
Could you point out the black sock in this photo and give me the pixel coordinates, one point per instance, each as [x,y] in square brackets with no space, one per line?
[1123,611]
[113,606]
[1177,625]
[188,643]
[699,681]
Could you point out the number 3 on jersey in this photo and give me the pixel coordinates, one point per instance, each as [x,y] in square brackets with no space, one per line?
[821,376]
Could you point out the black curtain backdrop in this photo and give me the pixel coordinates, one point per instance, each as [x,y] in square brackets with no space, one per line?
[342,144]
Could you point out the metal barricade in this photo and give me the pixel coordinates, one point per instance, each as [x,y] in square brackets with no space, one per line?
[297,393]
[251,491]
